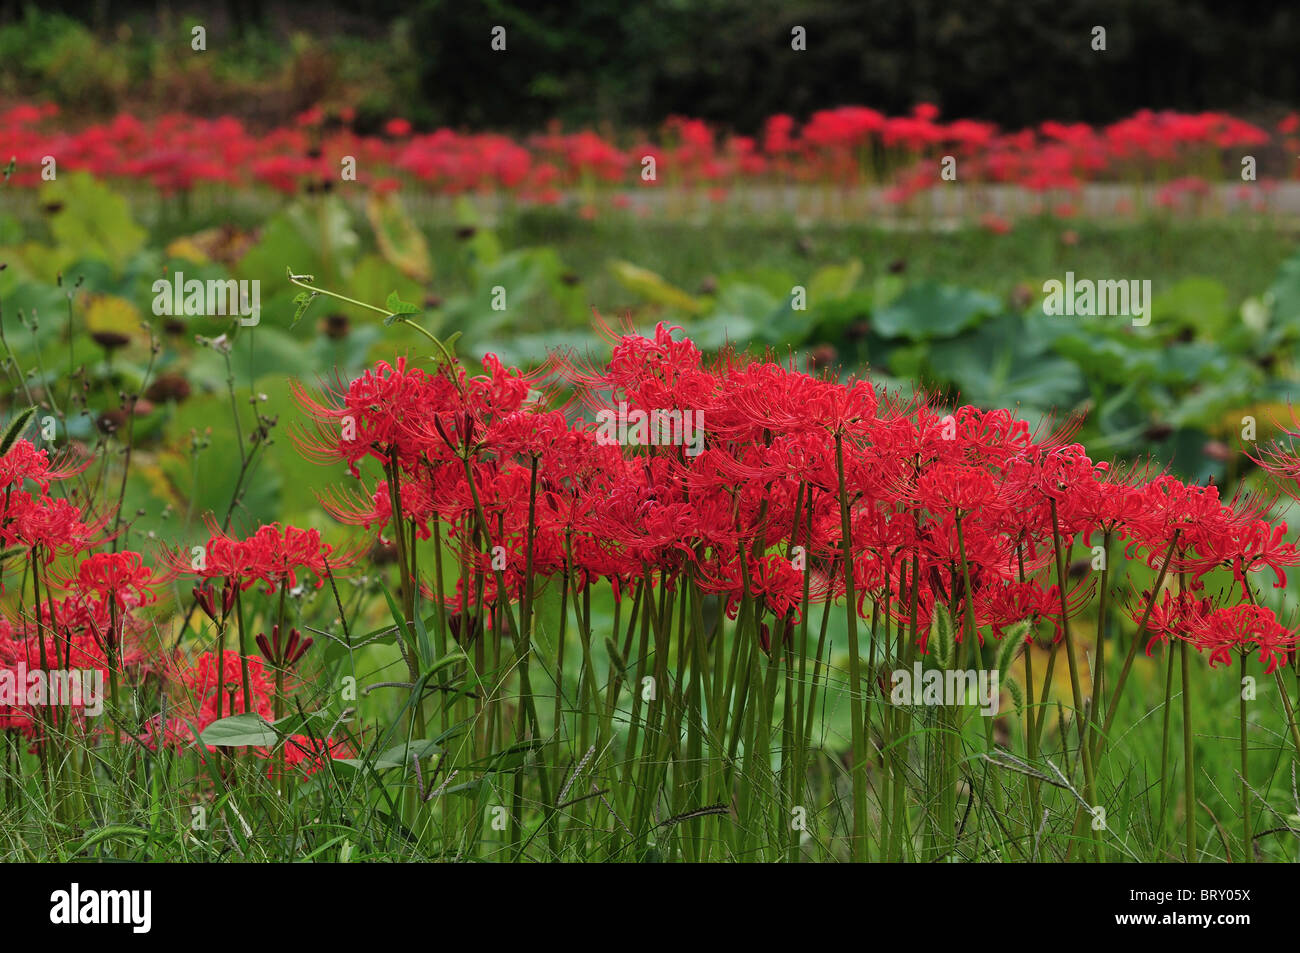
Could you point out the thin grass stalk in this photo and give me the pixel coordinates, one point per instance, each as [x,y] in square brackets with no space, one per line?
[557,713]
[817,671]
[438,587]
[245,677]
[407,641]
[654,736]
[908,661]
[893,842]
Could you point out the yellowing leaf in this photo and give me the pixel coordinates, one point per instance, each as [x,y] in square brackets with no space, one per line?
[187,248]
[110,313]
[1270,418]
[399,240]
[160,484]
[654,288]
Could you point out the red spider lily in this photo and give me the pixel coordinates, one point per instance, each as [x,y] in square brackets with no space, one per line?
[122,577]
[51,525]
[956,489]
[847,145]
[1008,603]
[25,462]
[769,480]
[70,634]
[1172,616]
[771,579]
[272,555]
[1242,629]
[204,596]
[373,416]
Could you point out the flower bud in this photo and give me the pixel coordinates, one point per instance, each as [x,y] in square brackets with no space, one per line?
[203,596]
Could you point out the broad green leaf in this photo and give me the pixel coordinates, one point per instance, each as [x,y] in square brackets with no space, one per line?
[373,278]
[397,306]
[833,282]
[1285,293]
[1198,303]
[933,311]
[1001,365]
[248,729]
[449,347]
[94,219]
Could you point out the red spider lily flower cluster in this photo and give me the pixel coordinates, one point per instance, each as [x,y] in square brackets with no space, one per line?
[86,622]
[193,689]
[1243,629]
[47,526]
[67,634]
[850,145]
[964,509]
[91,618]
[120,577]
[273,555]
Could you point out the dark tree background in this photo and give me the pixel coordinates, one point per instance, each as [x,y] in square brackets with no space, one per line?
[1015,62]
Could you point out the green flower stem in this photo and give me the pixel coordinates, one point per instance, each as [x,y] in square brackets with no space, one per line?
[1099,665]
[1164,741]
[1136,643]
[1080,713]
[1248,847]
[858,851]
[1189,765]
